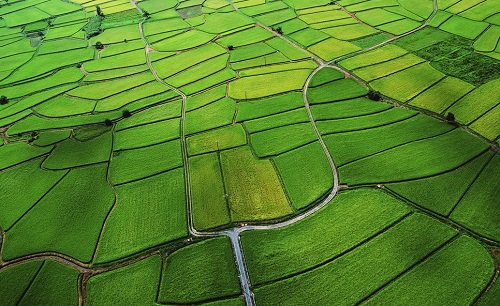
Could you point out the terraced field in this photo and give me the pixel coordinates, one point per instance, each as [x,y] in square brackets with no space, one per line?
[270,152]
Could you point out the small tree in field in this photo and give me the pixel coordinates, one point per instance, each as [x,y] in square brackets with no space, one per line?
[4,100]
[230,47]
[374,95]
[279,30]
[450,117]
[99,45]
[99,11]
[108,122]
[126,114]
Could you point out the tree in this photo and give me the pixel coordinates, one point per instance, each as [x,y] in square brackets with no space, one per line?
[126,114]
[230,47]
[450,117]
[99,45]
[4,100]
[99,11]
[374,95]
[145,14]
[108,122]
[279,30]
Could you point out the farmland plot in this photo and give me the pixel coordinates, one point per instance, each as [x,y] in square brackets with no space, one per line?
[204,152]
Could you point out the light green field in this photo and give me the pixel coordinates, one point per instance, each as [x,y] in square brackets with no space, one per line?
[368,266]
[19,152]
[207,191]
[467,28]
[282,119]
[464,257]
[350,31]
[338,90]
[206,97]
[351,146]
[185,40]
[214,115]
[476,102]
[442,95]
[377,71]
[13,201]
[332,48]
[282,139]
[375,56]
[254,87]
[347,109]
[253,187]
[146,135]
[406,84]
[476,209]
[53,284]
[216,140]
[16,280]
[268,106]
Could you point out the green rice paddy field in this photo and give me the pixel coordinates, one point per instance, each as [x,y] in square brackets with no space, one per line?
[249,152]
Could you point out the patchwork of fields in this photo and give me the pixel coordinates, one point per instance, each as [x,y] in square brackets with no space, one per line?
[270,152]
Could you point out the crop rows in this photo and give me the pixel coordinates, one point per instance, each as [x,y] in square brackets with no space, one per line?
[138,137]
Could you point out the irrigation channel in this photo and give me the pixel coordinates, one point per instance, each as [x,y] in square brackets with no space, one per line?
[234,233]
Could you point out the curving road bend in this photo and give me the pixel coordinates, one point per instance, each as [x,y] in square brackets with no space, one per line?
[233,234]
